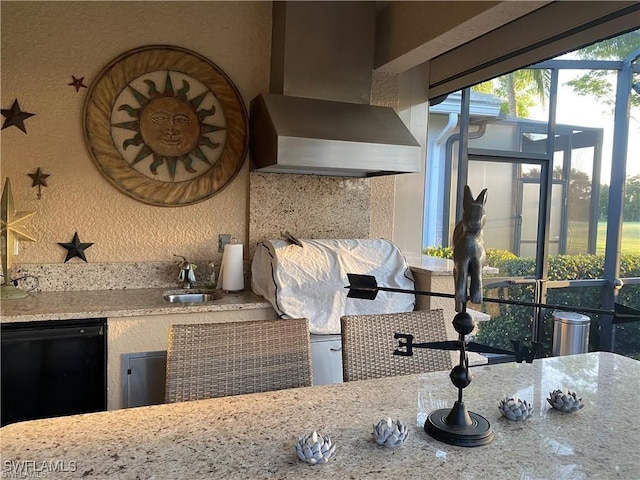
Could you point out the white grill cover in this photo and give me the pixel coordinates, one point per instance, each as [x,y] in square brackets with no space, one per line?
[309,281]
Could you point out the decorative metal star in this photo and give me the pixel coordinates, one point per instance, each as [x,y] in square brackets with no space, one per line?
[15,117]
[75,248]
[78,83]
[39,180]
[13,229]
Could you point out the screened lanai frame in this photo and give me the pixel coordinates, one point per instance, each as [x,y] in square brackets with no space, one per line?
[611,284]
[565,141]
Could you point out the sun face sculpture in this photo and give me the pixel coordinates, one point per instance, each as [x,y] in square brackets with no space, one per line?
[170,127]
[160,144]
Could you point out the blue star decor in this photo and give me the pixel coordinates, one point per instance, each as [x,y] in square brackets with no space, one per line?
[14,117]
[75,248]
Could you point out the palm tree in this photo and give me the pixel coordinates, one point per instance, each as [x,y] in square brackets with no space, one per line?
[521,89]
[597,83]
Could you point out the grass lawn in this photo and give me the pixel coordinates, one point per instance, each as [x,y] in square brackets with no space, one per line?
[630,237]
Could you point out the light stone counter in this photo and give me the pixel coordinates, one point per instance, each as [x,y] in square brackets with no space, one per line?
[430,265]
[252,436]
[116,303]
[438,266]
[138,319]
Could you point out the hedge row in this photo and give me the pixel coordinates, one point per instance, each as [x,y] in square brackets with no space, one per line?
[515,323]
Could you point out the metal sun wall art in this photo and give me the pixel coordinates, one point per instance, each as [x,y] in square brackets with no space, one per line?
[165,126]
[458,426]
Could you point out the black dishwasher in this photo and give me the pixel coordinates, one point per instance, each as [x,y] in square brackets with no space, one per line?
[52,368]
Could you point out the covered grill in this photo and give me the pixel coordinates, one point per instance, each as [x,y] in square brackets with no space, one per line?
[309,281]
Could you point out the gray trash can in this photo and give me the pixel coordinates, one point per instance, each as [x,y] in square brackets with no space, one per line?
[570,333]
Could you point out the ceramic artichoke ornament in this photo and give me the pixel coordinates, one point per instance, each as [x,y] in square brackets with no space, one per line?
[565,401]
[515,409]
[390,433]
[315,449]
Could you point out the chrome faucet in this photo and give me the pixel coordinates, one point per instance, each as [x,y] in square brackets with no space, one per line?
[187,276]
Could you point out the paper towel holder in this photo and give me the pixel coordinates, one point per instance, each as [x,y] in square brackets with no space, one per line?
[231,276]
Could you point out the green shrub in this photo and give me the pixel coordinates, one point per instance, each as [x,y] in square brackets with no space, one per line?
[495,258]
[511,322]
[515,323]
[439,252]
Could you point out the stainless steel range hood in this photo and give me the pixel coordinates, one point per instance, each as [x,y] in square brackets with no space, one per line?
[317,118]
[303,135]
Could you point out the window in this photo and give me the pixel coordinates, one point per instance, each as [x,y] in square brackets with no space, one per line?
[556,146]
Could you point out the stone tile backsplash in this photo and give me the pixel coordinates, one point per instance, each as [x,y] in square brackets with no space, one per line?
[112,276]
[308,206]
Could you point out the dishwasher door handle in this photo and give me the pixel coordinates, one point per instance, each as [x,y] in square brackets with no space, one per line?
[28,334]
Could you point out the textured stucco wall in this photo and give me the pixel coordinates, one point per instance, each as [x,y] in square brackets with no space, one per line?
[384,92]
[43,45]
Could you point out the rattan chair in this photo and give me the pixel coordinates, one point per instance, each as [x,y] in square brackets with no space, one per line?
[368,344]
[233,358]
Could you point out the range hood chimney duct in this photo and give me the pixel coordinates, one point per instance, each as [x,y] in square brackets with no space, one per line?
[317,118]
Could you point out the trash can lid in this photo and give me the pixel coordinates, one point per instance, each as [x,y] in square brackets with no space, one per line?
[570,317]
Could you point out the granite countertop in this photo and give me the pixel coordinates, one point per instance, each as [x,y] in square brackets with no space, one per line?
[436,266]
[115,302]
[62,305]
[253,436]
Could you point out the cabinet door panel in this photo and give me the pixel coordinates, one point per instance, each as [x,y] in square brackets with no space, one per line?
[326,358]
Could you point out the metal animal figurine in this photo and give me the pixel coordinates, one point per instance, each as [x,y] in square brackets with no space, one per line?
[468,250]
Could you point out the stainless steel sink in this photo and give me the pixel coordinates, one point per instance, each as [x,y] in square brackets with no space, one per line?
[192,296]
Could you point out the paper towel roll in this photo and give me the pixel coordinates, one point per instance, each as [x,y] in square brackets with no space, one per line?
[231,277]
